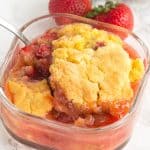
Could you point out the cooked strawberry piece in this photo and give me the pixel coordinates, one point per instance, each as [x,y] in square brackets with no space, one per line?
[25,78]
[28,54]
[99,44]
[30,48]
[26,48]
[103,119]
[119,109]
[47,38]
[42,68]
[30,71]
[43,51]
[50,35]
[62,117]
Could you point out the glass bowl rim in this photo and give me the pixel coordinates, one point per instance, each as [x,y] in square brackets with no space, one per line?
[64,126]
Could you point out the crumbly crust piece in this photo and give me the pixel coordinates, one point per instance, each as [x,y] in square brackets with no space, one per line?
[31,97]
[90,76]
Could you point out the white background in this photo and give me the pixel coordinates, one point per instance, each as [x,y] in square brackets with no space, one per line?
[20,11]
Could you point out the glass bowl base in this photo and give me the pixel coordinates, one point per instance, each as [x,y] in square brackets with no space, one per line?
[40,147]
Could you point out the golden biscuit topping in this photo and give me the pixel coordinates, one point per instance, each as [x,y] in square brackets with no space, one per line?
[31,97]
[88,76]
[137,70]
[82,36]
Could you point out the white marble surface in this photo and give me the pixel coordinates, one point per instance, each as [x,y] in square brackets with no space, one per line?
[18,12]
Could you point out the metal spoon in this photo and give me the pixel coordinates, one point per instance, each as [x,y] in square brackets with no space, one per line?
[13,30]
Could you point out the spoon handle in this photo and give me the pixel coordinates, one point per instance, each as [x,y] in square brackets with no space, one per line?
[13,30]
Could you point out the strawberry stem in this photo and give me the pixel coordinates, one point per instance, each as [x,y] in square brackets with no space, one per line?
[101,9]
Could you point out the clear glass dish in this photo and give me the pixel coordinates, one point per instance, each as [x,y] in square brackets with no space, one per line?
[47,134]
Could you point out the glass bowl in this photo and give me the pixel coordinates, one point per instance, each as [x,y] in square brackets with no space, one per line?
[47,134]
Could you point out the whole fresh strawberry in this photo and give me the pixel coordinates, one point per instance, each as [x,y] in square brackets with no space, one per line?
[76,7]
[114,13]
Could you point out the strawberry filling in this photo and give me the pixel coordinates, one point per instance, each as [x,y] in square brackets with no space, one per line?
[37,58]
[99,44]
[43,51]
